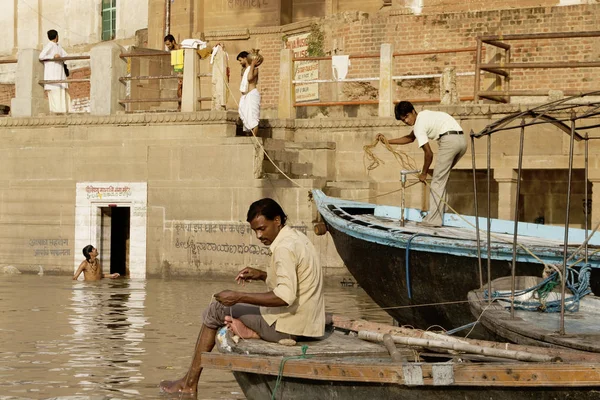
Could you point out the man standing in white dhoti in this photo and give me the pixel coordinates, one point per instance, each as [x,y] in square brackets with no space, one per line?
[58,97]
[249,107]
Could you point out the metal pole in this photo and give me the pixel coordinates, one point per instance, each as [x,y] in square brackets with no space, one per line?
[477,71]
[566,244]
[476,210]
[167,17]
[514,259]
[489,220]
[587,142]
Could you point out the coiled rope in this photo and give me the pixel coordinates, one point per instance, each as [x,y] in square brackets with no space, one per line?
[578,282]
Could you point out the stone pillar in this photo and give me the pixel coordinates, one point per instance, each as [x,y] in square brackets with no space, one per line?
[594,179]
[106,89]
[448,92]
[191,82]
[29,100]
[286,88]
[386,84]
[219,81]
[507,191]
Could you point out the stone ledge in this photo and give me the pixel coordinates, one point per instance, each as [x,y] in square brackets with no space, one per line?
[124,119]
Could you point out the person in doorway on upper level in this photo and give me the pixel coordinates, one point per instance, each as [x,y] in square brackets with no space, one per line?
[433,126]
[176,62]
[249,107]
[54,70]
[91,267]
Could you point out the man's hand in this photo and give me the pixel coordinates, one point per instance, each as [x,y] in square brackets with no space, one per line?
[381,138]
[228,297]
[249,274]
[423,177]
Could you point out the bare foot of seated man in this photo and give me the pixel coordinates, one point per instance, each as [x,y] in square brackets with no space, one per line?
[238,328]
[177,386]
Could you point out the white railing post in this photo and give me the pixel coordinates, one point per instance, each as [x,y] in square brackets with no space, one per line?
[386,84]
[286,88]
[29,99]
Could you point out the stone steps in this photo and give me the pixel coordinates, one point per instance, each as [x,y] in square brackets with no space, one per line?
[305,160]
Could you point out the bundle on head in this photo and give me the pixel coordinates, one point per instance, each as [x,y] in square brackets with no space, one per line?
[254,54]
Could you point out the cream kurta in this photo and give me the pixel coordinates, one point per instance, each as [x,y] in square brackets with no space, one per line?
[295,276]
[53,70]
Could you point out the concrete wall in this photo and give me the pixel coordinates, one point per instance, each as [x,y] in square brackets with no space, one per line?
[78,22]
[200,179]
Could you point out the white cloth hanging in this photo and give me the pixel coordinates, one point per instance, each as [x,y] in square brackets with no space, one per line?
[193,44]
[339,65]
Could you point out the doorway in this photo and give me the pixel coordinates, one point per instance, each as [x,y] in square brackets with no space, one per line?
[114,239]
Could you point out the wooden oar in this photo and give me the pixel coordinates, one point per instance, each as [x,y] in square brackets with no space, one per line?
[467,348]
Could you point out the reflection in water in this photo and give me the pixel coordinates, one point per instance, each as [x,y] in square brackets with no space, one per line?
[108,320]
[61,339]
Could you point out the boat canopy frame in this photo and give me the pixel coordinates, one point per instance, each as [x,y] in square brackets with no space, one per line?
[565,114]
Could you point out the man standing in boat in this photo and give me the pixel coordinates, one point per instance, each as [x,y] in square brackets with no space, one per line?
[433,126]
[293,308]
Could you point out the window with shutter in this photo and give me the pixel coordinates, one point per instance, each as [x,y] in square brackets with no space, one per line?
[109,19]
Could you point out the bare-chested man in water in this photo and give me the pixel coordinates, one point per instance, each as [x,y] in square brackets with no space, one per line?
[91,268]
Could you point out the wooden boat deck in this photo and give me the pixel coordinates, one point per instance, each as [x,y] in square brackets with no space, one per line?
[334,343]
[455,233]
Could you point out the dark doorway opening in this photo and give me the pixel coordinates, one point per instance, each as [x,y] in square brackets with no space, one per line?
[114,250]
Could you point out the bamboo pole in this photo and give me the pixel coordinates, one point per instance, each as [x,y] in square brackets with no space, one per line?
[467,348]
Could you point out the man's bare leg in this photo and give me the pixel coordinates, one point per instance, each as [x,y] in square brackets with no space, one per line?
[238,328]
[189,383]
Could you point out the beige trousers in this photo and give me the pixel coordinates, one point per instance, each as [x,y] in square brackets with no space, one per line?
[451,150]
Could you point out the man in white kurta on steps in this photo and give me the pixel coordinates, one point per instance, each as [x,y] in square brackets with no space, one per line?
[249,107]
[58,97]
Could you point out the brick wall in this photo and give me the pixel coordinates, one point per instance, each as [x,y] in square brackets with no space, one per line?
[80,91]
[7,92]
[360,33]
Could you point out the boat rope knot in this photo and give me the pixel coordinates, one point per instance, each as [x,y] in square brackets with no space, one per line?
[283,361]
[578,282]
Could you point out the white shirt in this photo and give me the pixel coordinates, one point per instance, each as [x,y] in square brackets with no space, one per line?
[429,125]
[53,70]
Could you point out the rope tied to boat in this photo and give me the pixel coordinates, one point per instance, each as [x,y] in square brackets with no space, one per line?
[283,361]
[578,282]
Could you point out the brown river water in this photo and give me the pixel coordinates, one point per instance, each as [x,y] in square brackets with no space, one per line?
[117,339]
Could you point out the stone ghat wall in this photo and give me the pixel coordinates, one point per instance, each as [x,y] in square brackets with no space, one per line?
[362,33]
[201,178]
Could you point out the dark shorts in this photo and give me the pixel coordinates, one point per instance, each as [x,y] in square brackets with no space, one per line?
[214,317]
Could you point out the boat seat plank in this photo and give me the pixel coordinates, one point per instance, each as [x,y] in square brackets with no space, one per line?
[334,343]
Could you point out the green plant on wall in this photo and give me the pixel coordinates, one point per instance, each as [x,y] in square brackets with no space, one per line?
[315,42]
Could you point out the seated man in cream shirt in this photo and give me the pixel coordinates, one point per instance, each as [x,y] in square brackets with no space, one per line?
[293,307]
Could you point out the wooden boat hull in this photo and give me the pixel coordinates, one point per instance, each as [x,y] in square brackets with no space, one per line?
[349,362]
[441,270]
[260,387]
[435,278]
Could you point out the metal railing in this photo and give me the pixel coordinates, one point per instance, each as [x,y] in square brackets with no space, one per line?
[72,80]
[129,78]
[376,78]
[502,69]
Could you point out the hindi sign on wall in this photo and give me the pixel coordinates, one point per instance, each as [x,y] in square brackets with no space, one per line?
[304,70]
